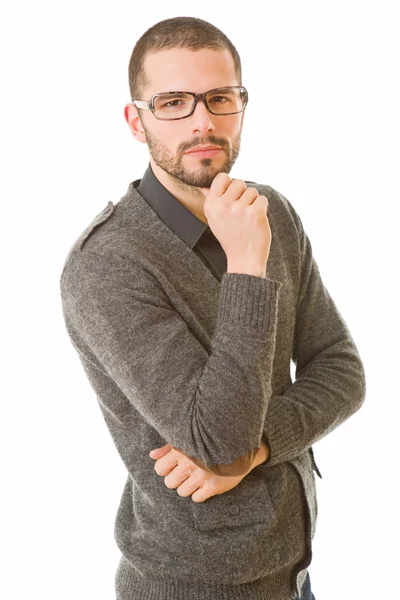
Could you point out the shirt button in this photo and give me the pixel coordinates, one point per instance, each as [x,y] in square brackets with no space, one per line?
[234,509]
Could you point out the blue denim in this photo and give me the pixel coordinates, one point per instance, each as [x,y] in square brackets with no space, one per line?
[306,593]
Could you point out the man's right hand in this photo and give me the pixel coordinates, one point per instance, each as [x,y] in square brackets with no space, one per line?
[237,217]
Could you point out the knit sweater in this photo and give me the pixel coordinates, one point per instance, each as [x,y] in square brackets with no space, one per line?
[175,355]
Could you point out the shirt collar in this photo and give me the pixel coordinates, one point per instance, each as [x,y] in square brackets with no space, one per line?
[174,214]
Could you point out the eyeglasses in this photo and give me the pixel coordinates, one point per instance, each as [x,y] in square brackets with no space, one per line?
[171,106]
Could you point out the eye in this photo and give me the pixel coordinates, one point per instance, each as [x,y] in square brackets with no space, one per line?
[170,103]
[223,97]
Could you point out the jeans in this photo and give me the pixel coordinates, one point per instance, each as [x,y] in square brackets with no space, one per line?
[306,593]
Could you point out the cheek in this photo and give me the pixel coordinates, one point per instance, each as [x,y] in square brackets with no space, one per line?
[232,127]
[170,140]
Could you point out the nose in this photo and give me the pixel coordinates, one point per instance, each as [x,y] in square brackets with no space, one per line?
[202,118]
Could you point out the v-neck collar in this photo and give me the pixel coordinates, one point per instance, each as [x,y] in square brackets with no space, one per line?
[170,242]
[170,210]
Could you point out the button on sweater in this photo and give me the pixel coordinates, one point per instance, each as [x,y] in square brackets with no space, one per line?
[179,351]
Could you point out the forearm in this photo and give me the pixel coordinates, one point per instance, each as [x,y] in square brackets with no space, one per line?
[210,403]
[243,465]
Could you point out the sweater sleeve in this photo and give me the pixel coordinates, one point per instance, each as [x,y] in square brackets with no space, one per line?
[330,380]
[209,405]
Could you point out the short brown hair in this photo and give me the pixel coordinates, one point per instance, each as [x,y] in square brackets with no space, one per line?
[178,32]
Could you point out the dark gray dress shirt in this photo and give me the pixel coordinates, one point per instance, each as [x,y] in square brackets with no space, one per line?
[192,230]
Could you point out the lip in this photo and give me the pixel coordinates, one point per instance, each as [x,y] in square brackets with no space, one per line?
[207,151]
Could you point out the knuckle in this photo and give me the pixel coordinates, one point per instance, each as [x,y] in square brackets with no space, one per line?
[239,183]
[253,190]
[213,486]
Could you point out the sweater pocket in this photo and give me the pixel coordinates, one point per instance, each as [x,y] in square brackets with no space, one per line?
[246,504]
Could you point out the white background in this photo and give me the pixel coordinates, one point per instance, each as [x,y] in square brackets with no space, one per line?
[322,127]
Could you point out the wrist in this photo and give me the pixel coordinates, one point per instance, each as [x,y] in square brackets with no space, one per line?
[263,454]
[257,270]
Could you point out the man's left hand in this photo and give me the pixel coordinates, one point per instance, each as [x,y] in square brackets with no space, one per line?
[188,479]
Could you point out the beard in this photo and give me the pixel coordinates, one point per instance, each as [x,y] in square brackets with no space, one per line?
[201,177]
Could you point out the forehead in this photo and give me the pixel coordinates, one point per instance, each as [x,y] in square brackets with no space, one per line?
[189,70]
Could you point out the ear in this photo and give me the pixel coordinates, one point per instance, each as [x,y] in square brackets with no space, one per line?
[131,116]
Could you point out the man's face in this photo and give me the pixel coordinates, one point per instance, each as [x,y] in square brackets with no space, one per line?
[168,141]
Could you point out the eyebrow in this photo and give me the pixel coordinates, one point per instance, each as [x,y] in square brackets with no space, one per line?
[225,87]
[178,92]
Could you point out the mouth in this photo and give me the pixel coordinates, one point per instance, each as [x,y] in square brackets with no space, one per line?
[204,152]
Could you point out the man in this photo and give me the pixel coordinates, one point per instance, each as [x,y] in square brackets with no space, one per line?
[186,301]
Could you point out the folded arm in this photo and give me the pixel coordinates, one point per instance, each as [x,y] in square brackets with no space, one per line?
[211,406]
[330,380]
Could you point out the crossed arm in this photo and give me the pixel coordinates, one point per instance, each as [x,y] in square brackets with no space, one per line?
[189,479]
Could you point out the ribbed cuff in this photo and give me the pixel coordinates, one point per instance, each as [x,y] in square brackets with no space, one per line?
[276,429]
[248,300]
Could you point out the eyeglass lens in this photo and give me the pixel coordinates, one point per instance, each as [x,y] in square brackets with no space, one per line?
[173,105]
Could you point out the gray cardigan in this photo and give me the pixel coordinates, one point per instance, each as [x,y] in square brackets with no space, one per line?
[176,356]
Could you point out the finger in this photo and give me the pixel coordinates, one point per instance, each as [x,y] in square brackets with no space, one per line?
[188,487]
[220,184]
[166,463]
[176,477]
[160,452]
[200,495]
[183,473]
